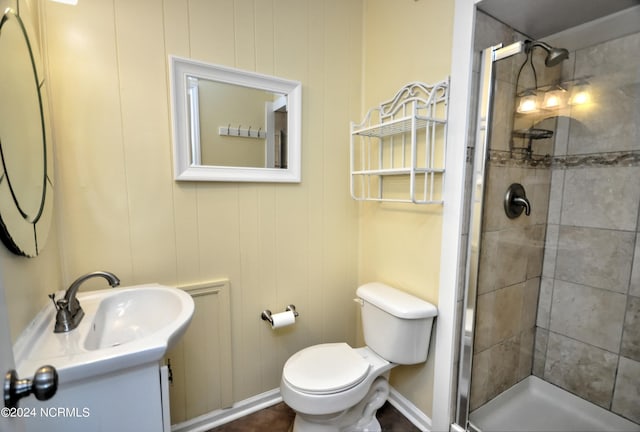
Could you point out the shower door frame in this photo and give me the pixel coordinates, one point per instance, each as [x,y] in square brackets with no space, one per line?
[484,106]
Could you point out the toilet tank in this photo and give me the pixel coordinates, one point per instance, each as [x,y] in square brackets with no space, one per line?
[396,325]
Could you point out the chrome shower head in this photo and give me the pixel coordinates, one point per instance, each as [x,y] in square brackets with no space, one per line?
[554,55]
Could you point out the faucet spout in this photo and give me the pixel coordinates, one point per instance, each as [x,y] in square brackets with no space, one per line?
[70,312]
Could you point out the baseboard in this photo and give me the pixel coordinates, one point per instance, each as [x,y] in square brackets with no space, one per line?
[409,410]
[272,397]
[222,416]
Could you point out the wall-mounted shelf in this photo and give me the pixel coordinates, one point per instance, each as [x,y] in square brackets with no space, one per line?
[405,138]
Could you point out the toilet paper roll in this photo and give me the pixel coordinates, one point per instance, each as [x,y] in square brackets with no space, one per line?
[283,319]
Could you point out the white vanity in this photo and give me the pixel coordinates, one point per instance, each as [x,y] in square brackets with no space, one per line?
[109,367]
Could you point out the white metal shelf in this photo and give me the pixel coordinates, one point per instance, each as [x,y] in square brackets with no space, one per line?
[396,126]
[402,137]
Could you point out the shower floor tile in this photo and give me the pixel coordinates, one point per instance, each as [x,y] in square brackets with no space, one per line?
[279,418]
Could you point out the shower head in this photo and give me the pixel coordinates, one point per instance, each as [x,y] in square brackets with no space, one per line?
[554,55]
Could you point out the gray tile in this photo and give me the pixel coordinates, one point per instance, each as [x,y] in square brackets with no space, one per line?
[613,66]
[502,115]
[507,312]
[503,366]
[484,335]
[612,127]
[561,138]
[479,379]
[608,57]
[627,391]
[590,315]
[634,288]
[498,180]
[529,304]
[540,352]
[594,257]
[498,316]
[555,196]
[593,380]
[600,197]
[525,363]
[630,346]
[534,250]
[550,251]
[503,259]
[489,32]
[544,303]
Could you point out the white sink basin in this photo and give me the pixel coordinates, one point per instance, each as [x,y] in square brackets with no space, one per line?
[132,315]
[122,328]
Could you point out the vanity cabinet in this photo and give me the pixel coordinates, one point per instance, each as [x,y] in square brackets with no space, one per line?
[131,400]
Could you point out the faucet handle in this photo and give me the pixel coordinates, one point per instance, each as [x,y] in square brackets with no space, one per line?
[64,319]
[52,296]
[62,304]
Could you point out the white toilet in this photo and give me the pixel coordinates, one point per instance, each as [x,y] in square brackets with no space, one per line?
[333,387]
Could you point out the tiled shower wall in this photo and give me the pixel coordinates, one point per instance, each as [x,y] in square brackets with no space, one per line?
[512,249]
[589,305]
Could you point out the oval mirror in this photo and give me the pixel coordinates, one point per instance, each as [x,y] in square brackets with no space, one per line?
[25,189]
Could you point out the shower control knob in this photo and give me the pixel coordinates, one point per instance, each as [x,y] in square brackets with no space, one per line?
[515,201]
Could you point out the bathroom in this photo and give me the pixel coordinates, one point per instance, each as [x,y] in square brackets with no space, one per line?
[117,206]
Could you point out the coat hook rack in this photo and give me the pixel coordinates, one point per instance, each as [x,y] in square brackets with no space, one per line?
[241,132]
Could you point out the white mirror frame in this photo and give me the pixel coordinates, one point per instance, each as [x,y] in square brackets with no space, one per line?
[181,68]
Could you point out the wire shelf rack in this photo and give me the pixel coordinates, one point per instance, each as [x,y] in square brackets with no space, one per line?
[398,150]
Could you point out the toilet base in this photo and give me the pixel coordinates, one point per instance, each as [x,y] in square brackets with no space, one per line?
[359,418]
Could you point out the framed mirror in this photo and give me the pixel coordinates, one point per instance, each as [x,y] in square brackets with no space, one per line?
[26,189]
[234,125]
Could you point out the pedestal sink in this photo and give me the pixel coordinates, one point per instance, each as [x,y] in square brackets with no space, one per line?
[113,358]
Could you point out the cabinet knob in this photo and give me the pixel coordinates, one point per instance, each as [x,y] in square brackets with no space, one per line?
[43,386]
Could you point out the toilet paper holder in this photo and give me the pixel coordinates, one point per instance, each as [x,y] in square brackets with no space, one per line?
[266,314]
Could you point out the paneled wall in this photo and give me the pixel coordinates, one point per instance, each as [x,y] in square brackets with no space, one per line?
[120,208]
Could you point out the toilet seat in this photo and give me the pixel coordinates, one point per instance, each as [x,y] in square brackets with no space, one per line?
[325,369]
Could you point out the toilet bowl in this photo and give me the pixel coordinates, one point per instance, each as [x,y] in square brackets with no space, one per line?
[334,387]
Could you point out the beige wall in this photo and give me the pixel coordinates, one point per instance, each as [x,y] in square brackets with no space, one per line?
[233,107]
[27,281]
[399,244]
[121,209]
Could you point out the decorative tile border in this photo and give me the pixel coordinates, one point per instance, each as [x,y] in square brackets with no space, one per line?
[604,159]
[620,158]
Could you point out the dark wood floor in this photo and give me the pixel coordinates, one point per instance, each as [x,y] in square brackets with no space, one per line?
[279,418]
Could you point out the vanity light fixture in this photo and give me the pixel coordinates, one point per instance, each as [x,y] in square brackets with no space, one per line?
[554,98]
[580,93]
[67,2]
[528,102]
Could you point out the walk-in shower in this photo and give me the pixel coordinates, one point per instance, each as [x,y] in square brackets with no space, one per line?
[550,334]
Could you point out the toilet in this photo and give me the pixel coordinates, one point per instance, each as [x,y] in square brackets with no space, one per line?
[334,387]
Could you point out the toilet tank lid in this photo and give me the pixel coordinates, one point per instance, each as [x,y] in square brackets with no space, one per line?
[396,302]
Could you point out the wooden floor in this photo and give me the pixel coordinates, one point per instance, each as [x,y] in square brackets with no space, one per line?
[279,418]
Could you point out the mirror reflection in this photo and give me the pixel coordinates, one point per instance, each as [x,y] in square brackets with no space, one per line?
[234,125]
[237,126]
[25,189]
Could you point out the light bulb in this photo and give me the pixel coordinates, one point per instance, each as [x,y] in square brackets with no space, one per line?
[580,94]
[528,103]
[554,99]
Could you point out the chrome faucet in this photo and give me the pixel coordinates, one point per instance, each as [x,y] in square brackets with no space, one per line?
[70,312]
